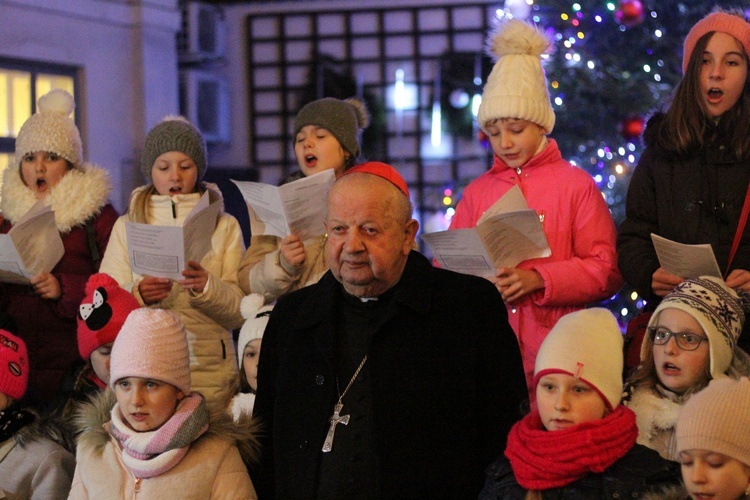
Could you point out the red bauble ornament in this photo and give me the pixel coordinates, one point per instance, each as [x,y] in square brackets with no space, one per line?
[629,13]
[632,127]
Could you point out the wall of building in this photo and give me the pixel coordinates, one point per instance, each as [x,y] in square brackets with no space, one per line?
[127,58]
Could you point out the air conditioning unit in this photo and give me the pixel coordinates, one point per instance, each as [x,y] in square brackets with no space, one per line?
[205,102]
[206,31]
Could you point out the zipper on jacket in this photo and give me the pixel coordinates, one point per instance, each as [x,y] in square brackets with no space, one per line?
[518,170]
[223,350]
[174,210]
[137,487]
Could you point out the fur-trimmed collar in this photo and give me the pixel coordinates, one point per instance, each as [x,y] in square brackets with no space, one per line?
[656,413]
[91,417]
[44,428]
[677,492]
[80,194]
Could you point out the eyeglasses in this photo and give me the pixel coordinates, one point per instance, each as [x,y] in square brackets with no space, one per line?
[686,341]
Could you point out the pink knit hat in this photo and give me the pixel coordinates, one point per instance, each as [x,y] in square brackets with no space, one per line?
[152,344]
[720,22]
[102,313]
[14,365]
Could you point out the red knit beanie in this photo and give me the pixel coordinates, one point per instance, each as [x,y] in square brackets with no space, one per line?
[102,313]
[14,365]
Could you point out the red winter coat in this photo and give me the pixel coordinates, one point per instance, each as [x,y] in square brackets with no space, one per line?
[49,326]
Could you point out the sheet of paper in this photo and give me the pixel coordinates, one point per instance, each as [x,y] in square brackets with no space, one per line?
[461,250]
[514,237]
[32,246]
[164,251]
[685,261]
[511,201]
[296,207]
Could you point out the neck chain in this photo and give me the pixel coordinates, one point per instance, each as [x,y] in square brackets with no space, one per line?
[336,418]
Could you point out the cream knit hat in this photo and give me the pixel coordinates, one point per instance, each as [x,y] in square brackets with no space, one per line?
[51,129]
[716,307]
[586,344]
[256,318]
[516,87]
[717,419]
[152,344]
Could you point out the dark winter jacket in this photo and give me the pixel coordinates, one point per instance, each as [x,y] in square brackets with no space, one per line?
[640,471]
[696,200]
[49,326]
[446,384]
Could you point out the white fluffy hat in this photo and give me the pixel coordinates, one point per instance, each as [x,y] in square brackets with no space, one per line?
[517,87]
[586,344]
[716,307]
[51,129]
[256,318]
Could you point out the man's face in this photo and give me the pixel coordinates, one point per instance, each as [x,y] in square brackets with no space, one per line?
[369,235]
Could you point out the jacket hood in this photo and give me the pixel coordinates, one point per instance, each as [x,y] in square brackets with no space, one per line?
[80,195]
[92,415]
[677,492]
[45,428]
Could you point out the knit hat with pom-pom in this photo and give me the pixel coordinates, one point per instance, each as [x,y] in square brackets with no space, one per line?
[152,344]
[51,129]
[102,313]
[517,87]
[256,318]
[174,133]
[343,118]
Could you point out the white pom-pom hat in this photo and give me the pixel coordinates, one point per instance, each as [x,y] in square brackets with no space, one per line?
[256,318]
[517,87]
[51,129]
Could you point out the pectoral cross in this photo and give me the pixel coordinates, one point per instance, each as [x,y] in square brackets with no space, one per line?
[335,419]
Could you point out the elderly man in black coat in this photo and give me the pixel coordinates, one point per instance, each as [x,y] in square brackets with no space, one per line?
[389,378]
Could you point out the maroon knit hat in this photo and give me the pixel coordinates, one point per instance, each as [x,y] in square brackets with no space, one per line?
[14,365]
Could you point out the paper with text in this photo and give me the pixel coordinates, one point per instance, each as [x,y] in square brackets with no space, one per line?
[685,261]
[164,251]
[507,234]
[297,207]
[32,246]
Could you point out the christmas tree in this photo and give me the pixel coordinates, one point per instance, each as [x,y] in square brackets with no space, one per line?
[614,63]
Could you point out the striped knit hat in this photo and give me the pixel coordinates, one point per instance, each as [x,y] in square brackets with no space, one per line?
[152,344]
[174,133]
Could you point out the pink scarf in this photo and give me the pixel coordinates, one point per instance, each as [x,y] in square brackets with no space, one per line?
[543,459]
[149,454]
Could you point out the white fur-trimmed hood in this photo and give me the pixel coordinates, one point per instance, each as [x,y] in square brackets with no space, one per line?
[80,194]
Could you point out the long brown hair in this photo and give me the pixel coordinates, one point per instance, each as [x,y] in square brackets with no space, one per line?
[687,127]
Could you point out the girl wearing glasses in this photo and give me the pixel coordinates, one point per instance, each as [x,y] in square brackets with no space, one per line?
[692,338]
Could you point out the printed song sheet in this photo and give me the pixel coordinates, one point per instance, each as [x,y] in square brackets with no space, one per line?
[32,246]
[164,251]
[508,233]
[685,261]
[297,207]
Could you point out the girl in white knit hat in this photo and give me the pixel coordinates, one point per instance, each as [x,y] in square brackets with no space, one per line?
[516,114]
[256,316]
[49,166]
[160,440]
[713,441]
[208,297]
[692,339]
[326,136]
[578,441]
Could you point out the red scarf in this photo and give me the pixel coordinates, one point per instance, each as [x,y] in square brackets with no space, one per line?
[543,459]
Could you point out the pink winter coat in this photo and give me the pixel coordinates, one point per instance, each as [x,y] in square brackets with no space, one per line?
[580,231]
